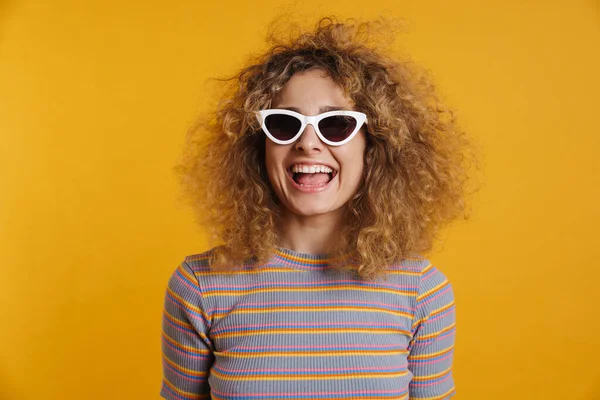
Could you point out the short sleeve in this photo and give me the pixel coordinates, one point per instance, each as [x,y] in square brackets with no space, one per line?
[432,347]
[186,347]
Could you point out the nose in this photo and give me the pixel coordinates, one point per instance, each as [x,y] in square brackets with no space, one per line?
[309,142]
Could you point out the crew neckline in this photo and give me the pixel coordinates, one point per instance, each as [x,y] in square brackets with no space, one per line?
[298,260]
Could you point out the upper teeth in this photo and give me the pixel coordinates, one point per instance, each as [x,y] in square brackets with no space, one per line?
[313,169]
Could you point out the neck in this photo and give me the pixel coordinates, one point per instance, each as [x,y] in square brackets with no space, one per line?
[315,234]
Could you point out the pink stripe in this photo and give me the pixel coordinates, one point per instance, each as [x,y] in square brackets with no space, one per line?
[180,374]
[381,346]
[314,369]
[423,342]
[419,384]
[313,325]
[363,392]
[184,354]
[438,294]
[180,278]
[168,322]
[193,315]
[349,302]
[442,315]
[432,271]
[324,284]
[416,365]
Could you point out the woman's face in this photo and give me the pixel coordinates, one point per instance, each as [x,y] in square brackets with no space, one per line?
[305,194]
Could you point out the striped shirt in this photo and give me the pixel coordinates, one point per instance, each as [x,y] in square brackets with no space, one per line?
[296,328]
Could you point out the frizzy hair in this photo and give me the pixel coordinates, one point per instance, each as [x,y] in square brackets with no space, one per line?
[416,160]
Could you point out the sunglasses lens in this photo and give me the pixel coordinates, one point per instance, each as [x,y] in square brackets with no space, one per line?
[337,127]
[282,127]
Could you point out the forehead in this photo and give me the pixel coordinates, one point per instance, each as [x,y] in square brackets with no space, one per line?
[312,88]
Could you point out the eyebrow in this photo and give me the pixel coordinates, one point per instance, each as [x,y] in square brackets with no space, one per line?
[321,110]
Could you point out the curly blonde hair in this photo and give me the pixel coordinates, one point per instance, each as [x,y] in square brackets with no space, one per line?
[416,159]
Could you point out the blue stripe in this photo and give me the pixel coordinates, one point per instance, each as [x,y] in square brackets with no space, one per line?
[299,373]
[195,355]
[313,284]
[315,396]
[316,304]
[434,294]
[315,349]
[430,359]
[429,381]
[187,310]
[168,389]
[286,326]
[196,378]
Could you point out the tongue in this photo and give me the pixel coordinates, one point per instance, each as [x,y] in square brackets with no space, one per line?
[312,179]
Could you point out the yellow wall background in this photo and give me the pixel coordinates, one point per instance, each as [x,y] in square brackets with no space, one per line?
[95,98]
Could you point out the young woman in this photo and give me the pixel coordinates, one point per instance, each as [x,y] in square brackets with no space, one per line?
[326,174]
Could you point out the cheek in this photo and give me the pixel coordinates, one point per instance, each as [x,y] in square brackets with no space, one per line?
[353,158]
[357,173]
[274,156]
[270,156]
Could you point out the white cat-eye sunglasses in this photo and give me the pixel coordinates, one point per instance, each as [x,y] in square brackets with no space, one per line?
[334,128]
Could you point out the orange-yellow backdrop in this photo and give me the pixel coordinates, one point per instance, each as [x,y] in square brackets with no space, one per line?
[95,98]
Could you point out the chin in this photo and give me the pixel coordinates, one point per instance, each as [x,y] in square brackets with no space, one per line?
[310,210]
[309,213]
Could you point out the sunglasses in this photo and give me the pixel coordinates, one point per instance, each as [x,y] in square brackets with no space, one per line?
[333,127]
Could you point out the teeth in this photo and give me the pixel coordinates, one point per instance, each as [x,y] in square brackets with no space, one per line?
[313,169]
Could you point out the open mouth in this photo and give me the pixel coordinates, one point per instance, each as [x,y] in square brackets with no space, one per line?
[315,177]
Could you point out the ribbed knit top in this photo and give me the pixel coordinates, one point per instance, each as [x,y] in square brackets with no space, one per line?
[297,328]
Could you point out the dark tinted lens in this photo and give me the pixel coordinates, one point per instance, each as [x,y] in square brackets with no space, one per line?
[282,127]
[337,128]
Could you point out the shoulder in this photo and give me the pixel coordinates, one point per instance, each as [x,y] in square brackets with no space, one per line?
[206,262]
[419,267]
[430,276]
[202,269]
[200,262]
[427,279]
[185,276]
[433,291]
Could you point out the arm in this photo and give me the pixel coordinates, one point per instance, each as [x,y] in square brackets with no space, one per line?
[432,347]
[186,348]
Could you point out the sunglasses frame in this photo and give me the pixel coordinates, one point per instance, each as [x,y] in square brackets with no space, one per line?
[313,120]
